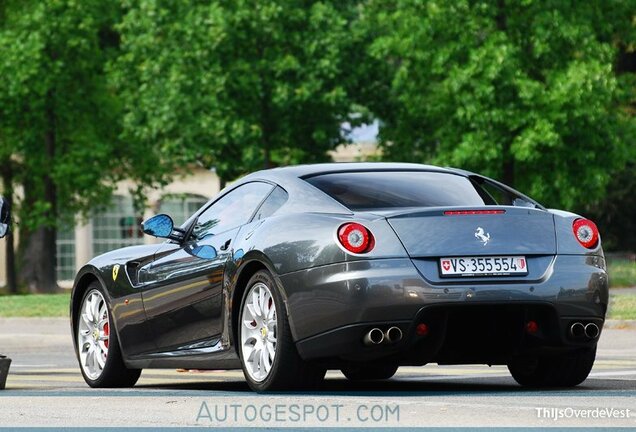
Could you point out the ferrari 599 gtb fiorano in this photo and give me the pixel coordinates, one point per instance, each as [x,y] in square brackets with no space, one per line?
[359,267]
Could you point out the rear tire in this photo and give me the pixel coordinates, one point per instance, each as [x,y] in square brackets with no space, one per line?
[260,327]
[567,370]
[366,372]
[114,373]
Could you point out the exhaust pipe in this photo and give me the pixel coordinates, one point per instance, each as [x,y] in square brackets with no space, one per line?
[393,335]
[577,330]
[375,336]
[592,331]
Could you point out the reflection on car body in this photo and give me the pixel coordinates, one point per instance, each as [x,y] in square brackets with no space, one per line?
[361,267]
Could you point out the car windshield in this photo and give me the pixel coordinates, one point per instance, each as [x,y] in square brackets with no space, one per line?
[361,191]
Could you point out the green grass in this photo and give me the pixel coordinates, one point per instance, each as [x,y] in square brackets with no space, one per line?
[622,273]
[622,306]
[35,305]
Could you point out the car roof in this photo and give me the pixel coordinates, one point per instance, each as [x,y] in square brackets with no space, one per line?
[306,198]
[302,171]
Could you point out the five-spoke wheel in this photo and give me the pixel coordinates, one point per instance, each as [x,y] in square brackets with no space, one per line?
[258,335]
[268,353]
[98,349]
[93,334]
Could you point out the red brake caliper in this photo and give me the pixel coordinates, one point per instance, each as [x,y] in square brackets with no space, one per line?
[106,333]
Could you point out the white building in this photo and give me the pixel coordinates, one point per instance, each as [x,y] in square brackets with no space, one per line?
[118,226]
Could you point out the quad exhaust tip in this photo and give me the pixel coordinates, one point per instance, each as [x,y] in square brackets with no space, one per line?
[393,335]
[592,331]
[577,330]
[375,336]
[589,330]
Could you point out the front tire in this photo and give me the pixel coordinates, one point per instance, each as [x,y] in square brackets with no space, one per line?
[98,350]
[268,353]
[567,370]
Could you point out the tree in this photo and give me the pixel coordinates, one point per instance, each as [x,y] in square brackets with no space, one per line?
[57,125]
[236,84]
[523,91]
[615,213]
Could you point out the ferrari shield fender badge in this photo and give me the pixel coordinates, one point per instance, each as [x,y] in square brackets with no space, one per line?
[483,237]
[115,271]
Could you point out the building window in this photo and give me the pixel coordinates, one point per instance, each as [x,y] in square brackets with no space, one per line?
[116,226]
[181,206]
[65,244]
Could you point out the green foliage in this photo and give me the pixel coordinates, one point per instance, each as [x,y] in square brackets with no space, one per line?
[235,84]
[615,213]
[56,114]
[522,91]
[529,92]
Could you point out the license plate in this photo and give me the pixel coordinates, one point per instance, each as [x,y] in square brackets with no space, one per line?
[483,266]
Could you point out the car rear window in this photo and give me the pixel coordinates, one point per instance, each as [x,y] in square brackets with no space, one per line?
[395,189]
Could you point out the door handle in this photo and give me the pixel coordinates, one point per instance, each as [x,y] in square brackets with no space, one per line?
[225,245]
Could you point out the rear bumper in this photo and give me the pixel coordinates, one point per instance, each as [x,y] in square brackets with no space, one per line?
[486,333]
[331,307]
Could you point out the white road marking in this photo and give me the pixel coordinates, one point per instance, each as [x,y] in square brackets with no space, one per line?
[24,366]
[612,373]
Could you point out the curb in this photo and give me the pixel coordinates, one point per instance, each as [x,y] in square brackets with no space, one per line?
[618,324]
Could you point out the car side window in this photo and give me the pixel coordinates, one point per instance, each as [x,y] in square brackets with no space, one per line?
[232,210]
[500,196]
[274,201]
[497,195]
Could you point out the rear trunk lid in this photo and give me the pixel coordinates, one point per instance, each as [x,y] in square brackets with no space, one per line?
[429,235]
[484,231]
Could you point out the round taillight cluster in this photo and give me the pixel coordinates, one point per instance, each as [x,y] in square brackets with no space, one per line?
[355,238]
[585,232]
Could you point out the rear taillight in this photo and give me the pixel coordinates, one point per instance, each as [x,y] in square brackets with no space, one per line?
[355,238]
[585,232]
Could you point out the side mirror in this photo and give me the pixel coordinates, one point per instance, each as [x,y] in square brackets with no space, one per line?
[160,225]
[5,217]
[204,252]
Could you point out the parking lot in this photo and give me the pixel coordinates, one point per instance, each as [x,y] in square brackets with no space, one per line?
[45,388]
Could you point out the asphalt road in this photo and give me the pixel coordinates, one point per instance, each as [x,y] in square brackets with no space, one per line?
[45,388]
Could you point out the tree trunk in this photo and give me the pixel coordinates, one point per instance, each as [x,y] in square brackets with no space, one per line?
[508,165]
[7,187]
[39,254]
[502,21]
[508,160]
[266,120]
[267,158]
[37,271]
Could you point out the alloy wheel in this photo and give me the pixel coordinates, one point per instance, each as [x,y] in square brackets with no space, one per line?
[258,332]
[93,331]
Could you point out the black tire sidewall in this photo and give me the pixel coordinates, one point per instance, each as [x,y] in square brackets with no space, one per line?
[370,372]
[114,370]
[567,370]
[283,343]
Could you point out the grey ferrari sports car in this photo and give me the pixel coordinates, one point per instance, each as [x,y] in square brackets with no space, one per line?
[360,267]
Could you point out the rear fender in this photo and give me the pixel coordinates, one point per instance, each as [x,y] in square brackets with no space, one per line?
[567,244]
